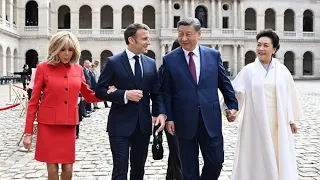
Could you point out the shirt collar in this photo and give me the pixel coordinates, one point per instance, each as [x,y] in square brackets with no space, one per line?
[196,51]
[131,54]
[269,67]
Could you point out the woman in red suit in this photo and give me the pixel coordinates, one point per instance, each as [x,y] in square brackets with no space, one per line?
[60,80]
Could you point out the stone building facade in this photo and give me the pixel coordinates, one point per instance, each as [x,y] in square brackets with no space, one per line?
[228,25]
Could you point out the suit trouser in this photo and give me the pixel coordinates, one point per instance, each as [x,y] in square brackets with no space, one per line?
[29,91]
[174,165]
[81,113]
[138,154]
[212,152]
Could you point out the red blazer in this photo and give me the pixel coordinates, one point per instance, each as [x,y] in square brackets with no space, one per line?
[60,86]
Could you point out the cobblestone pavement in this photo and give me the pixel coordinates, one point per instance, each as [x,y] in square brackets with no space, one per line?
[93,155]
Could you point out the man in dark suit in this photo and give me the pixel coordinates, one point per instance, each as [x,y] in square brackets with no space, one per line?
[192,75]
[135,78]
[86,72]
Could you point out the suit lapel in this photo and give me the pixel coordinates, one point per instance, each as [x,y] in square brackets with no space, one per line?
[203,62]
[126,64]
[185,65]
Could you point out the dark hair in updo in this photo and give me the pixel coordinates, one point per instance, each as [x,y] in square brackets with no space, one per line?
[272,35]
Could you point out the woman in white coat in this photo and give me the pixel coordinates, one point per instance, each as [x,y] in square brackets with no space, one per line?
[269,106]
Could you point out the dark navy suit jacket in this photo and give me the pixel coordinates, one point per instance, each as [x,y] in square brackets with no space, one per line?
[123,117]
[184,98]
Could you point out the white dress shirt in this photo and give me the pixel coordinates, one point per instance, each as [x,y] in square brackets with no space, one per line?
[132,62]
[196,59]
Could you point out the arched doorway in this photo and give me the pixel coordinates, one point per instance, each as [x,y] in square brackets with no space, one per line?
[85,55]
[127,16]
[31,58]
[270,19]
[31,14]
[307,63]
[103,57]
[151,54]
[9,61]
[249,57]
[288,20]
[250,19]
[289,61]
[85,17]
[106,17]
[64,17]
[307,21]
[202,15]
[149,17]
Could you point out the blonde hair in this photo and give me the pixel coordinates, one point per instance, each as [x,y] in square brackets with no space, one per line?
[57,42]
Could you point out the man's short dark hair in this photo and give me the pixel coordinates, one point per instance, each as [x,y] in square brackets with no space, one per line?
[132,29]
[189,21]
[272,35]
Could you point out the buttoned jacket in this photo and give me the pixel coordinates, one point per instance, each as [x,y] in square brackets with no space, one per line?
[60,86]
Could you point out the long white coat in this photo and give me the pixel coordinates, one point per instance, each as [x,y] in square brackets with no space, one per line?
[255,157]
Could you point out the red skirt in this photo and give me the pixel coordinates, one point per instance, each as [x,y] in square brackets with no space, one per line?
[56,144]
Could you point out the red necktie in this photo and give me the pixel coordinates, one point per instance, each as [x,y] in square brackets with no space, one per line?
[192,67]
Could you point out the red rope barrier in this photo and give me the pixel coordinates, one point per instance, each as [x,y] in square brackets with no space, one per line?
[18,87]
[9,107]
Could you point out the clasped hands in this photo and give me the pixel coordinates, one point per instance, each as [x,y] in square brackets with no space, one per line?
[231,115]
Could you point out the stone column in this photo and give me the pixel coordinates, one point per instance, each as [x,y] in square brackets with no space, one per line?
[11,12]
[192,9]
[170,17]
[214,16]
[54,22]
[11,64]
[117,21]
[260,22]
[298,66]
[74,21]
[213,46]
[163,50]
[3,10]
[235,14]
[163,11]
[220,48]
[138,15]
[235,60]
[279,24]
[219,15]
[185,7]
[169,47]
[242,19]
[241,64]
[299,24]
[96,21]
[4,63]
[43,15]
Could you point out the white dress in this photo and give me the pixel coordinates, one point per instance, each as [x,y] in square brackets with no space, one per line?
[271,103]
[268,102]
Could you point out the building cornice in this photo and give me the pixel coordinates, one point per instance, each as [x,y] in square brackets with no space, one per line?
[11,34]
[163,38]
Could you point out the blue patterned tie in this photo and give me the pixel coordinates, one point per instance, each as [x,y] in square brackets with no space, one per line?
[138,72]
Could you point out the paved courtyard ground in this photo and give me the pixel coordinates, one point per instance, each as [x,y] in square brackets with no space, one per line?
[93,155]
